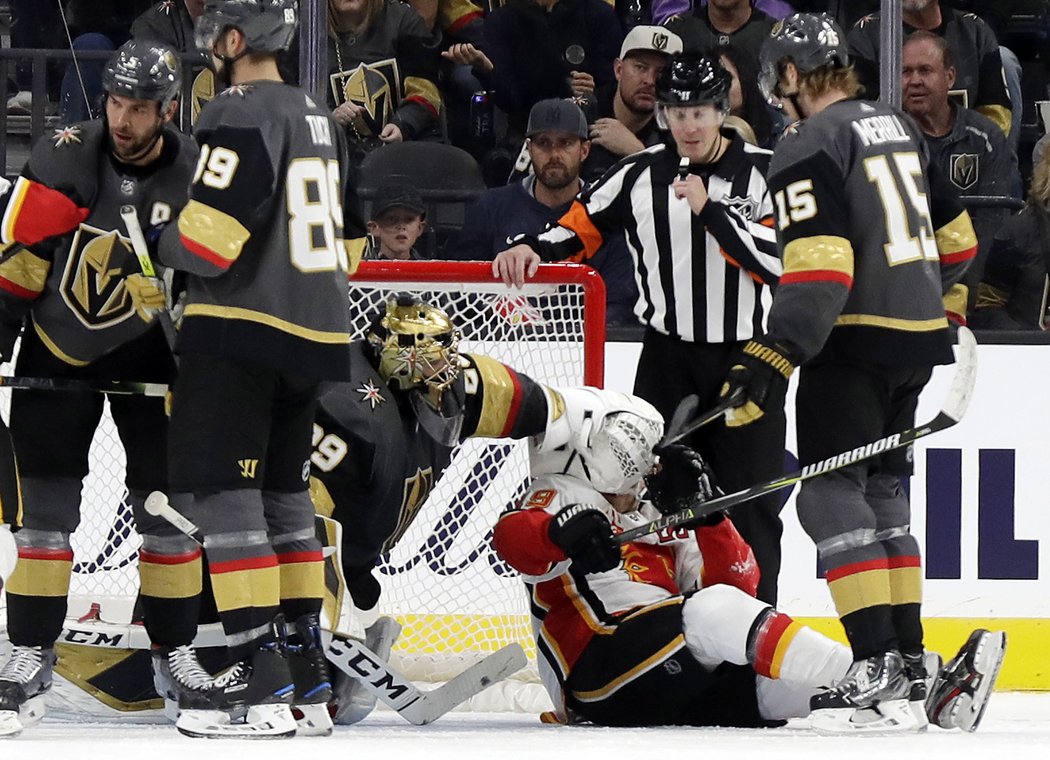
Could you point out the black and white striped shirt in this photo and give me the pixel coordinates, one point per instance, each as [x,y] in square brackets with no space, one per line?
[701,277]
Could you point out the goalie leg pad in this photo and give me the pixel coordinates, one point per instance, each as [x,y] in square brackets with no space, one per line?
[353,702]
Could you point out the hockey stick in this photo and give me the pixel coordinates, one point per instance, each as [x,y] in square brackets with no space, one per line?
[952,410]
[138,244]
[58,384]
[683,422]
[416,706]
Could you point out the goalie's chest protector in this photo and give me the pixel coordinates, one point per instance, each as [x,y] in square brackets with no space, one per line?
[391,464]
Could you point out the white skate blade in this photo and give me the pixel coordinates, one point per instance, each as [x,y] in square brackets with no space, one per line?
[10,725]
[893,716]
[312,720]
[262,722]
[358,702]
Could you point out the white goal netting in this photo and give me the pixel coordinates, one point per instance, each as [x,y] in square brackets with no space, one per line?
[456,600]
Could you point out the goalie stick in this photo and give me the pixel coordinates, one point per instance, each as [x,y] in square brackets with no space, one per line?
[59,384]
[952,410]
[138,245]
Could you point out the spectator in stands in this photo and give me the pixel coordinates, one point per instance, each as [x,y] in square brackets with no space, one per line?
[778,9]
[964,145]
[746,101]
[538,49]
[720,23]
[557,144]
[1011,293]
[399,218]
[625,123]
[171,22]
[382,64]
[979,82]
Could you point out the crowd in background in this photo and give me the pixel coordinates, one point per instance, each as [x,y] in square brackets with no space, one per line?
[468,73]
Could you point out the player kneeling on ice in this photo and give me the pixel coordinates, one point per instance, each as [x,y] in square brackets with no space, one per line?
[665,630]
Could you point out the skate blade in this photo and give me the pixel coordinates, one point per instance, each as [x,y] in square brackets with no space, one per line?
[893,716]
[10,725]
[312,720]
[261,722]
[358,702]
[968,709]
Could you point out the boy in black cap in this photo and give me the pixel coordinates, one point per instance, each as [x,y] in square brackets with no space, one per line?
[398,220]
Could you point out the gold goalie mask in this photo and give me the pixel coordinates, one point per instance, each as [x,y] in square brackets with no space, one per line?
[417,349]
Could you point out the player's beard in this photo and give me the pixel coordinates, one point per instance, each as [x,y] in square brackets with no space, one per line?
[136,149]
[915,6]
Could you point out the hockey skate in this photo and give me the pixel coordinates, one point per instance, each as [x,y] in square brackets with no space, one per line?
[963,687]
[251,700]
[313,687]
[873,698]
[25,681]
[352,701]
[181,680]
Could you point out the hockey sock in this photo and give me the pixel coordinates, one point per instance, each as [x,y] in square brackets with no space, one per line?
[779,647]
[170,588]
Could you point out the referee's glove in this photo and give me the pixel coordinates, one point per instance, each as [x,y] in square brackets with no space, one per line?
[761,370]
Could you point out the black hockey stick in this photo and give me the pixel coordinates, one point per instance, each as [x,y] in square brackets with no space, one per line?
[684,423]
[59,384]
[952,410]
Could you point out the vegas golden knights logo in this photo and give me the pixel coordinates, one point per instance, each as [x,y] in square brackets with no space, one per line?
[965,170]
[416,490]
[374,86]
[660,41]
[93,281]
[248,467]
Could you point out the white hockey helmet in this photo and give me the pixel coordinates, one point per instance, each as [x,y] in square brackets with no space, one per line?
[603,437]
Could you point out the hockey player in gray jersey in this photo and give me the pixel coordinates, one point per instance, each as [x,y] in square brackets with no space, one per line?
[266,319]
[871,240]
[70,276]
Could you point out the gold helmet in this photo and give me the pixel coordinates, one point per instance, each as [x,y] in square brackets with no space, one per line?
[416,344]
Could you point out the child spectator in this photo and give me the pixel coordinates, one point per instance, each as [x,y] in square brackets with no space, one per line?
[399,218]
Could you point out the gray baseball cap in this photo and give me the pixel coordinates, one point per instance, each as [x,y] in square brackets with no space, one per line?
[557,115]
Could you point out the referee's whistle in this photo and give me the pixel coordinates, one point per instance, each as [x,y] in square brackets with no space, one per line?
[683,168]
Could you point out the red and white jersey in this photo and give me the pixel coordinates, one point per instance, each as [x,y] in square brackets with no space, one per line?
[568,607]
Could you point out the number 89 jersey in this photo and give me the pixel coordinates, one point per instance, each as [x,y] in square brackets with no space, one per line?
[869,234]
[262,233]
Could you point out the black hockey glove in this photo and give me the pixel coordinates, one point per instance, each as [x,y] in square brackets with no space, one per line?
[761,370]
[586,537]
[682,479]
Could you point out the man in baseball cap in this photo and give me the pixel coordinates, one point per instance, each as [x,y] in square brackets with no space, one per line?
[624,123]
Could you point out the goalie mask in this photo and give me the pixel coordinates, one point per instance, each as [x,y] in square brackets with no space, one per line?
[605,438]
[416,345]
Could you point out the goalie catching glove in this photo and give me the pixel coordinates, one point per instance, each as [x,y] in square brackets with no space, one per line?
[682,479]
[586,537]
[761,370]
[147,295]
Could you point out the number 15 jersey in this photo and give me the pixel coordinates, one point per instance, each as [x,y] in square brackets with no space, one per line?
[871,238]
[262,234]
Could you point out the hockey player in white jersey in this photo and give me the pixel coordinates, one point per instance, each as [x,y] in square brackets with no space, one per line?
[665,630]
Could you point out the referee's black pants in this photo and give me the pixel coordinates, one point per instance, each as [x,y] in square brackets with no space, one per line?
[670,369]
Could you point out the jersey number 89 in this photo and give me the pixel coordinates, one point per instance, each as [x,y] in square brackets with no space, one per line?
[315,215]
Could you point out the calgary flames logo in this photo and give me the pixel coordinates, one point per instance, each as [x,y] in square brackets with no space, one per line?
[93,281]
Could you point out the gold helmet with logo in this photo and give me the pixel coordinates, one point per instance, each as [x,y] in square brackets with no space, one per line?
[416,344]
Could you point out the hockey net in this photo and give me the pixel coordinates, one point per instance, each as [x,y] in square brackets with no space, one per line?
[456,600]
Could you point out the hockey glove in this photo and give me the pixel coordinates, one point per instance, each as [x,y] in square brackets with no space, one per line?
[586,537]
[147,295]
[682,480]
[762,370]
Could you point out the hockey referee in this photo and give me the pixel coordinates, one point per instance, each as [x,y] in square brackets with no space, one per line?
[698,221]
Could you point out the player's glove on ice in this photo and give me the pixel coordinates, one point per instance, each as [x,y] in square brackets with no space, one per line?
[586,537]
[761,370]
[147,295]
[681,480]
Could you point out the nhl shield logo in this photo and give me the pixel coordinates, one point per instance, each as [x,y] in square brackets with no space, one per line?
[965,170]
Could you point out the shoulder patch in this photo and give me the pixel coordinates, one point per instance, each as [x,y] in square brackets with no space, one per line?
[67,136]
[371,394]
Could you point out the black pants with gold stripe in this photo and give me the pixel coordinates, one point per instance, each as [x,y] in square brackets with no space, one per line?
[644,675]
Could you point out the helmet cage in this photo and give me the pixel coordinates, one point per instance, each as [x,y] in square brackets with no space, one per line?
[417,345]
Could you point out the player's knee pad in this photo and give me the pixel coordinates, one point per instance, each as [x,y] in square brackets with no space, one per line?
[51,504]
[289,516]
[228,511]
[887,498]
[716,622]
[833,512]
